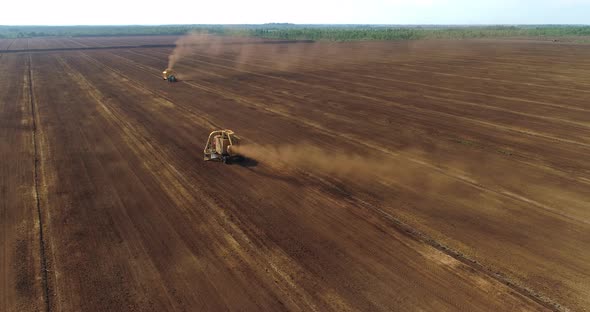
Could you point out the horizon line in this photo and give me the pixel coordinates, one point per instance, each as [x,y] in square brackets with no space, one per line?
[295,24]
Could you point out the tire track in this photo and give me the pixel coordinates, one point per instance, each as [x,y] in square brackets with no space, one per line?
[279,264]
[10,45]
[207,123]
[349,61]
[280,98]
[460,62]
[138,254]
[496,71]
[64,48]
[78,43]
[449,173]
[501,277]
[384,62]
[42,253]
[409,83]
[419,236]
[495,125]
[583,85]
[140,78]
[537,65]
[402,106]
[528,84]
[138,142]
[467,103]
[7,48]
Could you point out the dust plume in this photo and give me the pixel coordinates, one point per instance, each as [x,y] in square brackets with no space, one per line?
[360,168]
[307,157]
[185,45]
[246,55]
[256,54]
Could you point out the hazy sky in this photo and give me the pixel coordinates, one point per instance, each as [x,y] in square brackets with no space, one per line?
[105,12]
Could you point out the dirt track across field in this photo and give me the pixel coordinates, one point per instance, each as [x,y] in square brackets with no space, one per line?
[396,176]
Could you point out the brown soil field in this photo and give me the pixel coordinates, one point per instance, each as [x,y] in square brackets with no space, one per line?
[385,176]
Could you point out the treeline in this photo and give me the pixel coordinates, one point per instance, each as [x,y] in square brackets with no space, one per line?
[417,32]
[309,32]
[90,31]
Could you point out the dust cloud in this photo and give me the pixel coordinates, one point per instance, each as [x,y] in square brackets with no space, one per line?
[194,41]
[266,54]
[308,157]
[361,168]
[262,55]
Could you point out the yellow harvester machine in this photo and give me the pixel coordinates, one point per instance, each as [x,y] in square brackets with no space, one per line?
[169,75]
[221,146]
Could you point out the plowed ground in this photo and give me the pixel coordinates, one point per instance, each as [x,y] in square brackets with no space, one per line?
[473,194]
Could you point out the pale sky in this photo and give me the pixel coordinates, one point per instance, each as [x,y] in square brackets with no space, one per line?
[117,12]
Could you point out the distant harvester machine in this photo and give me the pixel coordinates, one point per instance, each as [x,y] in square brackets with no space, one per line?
[169,75]
[221,145]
